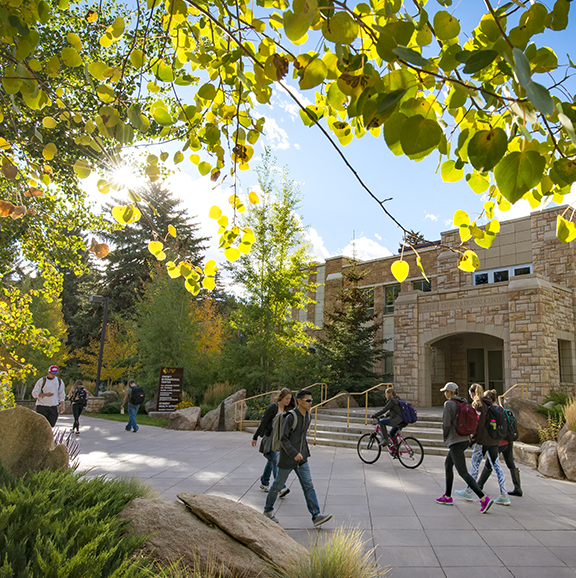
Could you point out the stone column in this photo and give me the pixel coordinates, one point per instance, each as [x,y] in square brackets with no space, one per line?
[406,353]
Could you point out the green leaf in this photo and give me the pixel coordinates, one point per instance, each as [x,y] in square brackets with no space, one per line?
[420,136]
[445,25]
[566,170]
[82,168]
[540,97]
[204,168]
[162,116]
[106,93]
[314,74]
[70,57]
[207,91]
[479,60]
[565,230]
[449,173]
[411,56]
[389,101]
[518,172]
[297,23]
[522,67]
[486,148]
[393,130]
[96,69]
[340,28]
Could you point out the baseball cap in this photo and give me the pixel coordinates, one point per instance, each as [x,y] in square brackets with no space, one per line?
[450,386]
[53,369]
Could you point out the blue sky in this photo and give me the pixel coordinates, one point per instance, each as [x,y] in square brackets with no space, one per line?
[335,208]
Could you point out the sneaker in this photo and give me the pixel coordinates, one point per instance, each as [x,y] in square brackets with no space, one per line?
[465,494]
[283,493]
[320,519]
[445,501]
[135,430]
[264,488]
[271,516]
[128,428]
[502,501]
[485,504]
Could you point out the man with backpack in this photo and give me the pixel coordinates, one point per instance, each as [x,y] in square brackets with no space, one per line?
[134,396]
[294,454]
[50,394]
[459,421]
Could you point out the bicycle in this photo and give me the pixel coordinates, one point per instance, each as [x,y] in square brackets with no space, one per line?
[408,450]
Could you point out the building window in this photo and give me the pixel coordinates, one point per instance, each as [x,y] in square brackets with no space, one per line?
[565,361]
[422,285]
[500,275]
[391,293]
[388,365]
[369,296]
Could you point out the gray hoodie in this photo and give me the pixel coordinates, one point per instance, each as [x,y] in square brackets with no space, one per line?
[449,422]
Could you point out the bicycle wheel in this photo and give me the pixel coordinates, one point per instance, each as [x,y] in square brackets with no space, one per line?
[410,452]
[368,448]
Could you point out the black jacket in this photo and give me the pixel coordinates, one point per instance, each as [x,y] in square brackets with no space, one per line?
[294,442]
[394,412]
[265,427]
[80,397]
[482,437]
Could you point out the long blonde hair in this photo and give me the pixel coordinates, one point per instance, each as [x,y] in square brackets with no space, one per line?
[477,393]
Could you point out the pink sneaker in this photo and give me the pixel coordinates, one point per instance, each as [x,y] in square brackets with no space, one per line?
[485,504]
[445,501]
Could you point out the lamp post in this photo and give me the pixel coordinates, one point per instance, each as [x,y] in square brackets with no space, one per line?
[98,299]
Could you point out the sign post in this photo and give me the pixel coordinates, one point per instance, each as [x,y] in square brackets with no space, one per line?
[170,388]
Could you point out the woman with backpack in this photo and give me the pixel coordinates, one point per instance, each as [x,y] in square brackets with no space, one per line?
[284,402]
[484,445]
[506,449]
[456,409]
[393,415]
[79,398]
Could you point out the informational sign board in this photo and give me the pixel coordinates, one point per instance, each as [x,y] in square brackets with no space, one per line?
[170,388]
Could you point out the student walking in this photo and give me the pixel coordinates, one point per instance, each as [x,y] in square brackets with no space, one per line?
[50,394]
[484,446]
[457,445]
[283,403]
[79,398]
[506,450]
[393,415]
[134,396]
[294,455]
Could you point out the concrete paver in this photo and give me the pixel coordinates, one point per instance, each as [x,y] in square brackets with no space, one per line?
[394,506]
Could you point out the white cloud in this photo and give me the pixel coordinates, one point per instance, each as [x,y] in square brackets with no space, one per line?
[365,249]
[449,224]
[431,217]
[277,137]
[378,236]
[318,247]
[283,100]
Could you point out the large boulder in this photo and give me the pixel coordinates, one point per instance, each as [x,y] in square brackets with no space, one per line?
[341,402]
[211,420]
[563,431]
[151,404]
[28,442]
[567,454]
[548,463]
[246,525]
[184,419]
[110,396]
[528,418]
[175,533]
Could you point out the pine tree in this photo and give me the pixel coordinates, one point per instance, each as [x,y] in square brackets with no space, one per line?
[350,346]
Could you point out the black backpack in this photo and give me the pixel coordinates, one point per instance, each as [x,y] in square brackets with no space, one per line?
[137,396]
[497,423]
[512,426]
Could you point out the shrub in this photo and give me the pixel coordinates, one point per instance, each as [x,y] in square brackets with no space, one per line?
[113,407]
[205,408]
[550,433]
[179,569]
[184,405]
[257,407]
[570,414]
[342,555]
[218,392]
[58,523]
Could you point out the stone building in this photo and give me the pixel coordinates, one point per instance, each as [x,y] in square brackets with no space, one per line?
[511,321]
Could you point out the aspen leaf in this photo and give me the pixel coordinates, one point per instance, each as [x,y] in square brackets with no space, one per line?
[10,171]
[192,286]
[172,230]
[400,270]
[155,247]
[210,268]
[18,212]
[215,212]
[33,192]
[173,270]
[185,269]
[49,151]
[253,198]
[461,218]
[565,230]
[208,283]
[6,208]
[231,253]
[469,262]
[126,214]
[49,122]
[245,248]
[419,263]
[82,169]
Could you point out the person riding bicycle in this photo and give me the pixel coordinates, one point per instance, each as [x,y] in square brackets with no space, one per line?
[393,415]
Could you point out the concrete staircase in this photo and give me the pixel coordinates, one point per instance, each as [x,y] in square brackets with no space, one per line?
[331,429]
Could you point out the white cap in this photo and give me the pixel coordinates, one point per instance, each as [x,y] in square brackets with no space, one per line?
[450,386]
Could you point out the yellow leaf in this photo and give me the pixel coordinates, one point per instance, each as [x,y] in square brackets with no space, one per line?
[173,270]
[155,247]
[469,262]
[209,283]
[465,233]
[49,151]
[185,269]
[126,214]
[245,248]
[232,254]
[400,270]
[419,263]
[192,286]
[160,256]
[253,198]
[172,230]
[223,221]
[461,218]
[49,122]
[210,267]
[215,212]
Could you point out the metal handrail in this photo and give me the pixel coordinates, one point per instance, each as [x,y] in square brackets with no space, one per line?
[348,395]
[323,394]
[524,386]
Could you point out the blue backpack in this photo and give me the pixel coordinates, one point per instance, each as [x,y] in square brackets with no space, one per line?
[409,414]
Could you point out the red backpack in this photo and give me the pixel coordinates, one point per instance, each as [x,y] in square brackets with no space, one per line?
[466,418]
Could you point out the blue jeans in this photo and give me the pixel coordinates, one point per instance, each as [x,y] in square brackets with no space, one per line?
[132,411]
[383,423]
[271,467]
[305,479]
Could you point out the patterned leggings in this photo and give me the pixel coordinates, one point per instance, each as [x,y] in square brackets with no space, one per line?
[478,453]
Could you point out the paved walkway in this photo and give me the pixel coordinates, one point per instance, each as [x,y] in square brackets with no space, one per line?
[533,538]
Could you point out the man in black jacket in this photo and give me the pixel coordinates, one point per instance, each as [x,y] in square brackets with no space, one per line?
[294,455]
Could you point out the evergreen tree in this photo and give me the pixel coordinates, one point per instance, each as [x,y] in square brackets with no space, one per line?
[129,262]
[350,346]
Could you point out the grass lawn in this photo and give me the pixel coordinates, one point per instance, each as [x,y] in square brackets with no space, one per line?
[142,419]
